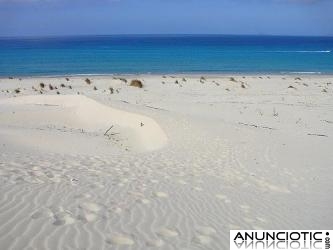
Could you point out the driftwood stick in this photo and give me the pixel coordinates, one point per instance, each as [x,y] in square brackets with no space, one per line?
[256,126]
[108,130]
[318,135]
[115,134]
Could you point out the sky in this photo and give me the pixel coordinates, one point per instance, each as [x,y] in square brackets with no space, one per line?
[106,17]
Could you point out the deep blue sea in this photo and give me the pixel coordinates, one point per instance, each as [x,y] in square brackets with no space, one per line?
[131,54]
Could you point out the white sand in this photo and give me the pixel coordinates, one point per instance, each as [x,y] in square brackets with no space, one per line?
[182,164]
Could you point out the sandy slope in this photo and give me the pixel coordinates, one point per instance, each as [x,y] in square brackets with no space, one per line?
[78,113]
[257,156]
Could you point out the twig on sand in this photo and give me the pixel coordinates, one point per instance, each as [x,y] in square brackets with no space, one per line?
[154,107]
[106,132]
[318,135]
[256,126]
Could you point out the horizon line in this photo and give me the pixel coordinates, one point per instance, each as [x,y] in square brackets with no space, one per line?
[157,34]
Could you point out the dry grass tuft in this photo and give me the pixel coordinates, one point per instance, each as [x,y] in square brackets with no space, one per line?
[120,79]
[232,79]
[136,83]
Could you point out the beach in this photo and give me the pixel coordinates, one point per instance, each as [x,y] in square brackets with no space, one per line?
[90,162]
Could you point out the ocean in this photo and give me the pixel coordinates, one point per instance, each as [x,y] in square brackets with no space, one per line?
[159,54]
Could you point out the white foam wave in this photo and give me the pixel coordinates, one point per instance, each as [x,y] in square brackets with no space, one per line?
[301,72]
[301,51]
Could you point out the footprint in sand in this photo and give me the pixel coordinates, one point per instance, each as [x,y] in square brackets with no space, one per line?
[205,230]
[56,209]
[182,182]
[161,194]
[262,220]
[63,218]
[116,210]
[96,185]
[223,197]
[202,239]
[43,213]
[120,239]
[249,220]
[167,233]
[87,217]
[90,206]
[155,243]
[144,201]
[83,196]
[234,227]
[245,208]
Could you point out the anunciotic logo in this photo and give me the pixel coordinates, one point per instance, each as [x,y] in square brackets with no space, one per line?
[280,239]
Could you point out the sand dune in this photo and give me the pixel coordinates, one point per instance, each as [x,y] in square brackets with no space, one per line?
[81,114]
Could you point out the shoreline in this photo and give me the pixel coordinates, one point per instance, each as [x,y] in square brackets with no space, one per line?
[214,75]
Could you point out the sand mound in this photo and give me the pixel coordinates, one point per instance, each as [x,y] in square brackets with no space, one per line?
[81,115]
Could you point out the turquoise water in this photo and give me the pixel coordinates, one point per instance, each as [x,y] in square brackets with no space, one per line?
[165,54]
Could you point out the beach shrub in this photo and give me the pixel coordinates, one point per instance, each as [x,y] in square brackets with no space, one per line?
[88,81]
[42,85]
[136,83]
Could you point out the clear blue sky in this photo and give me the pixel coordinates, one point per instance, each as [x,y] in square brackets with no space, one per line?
[80,17]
